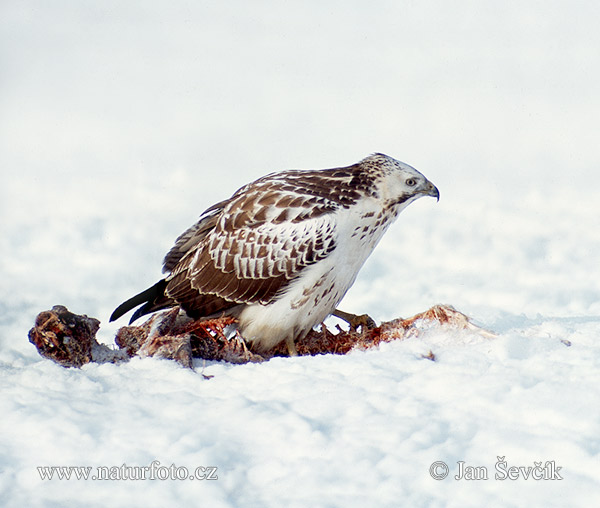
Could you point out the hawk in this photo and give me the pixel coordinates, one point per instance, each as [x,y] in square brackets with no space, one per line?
[281,253]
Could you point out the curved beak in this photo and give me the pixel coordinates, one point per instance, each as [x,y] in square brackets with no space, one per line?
[429,189]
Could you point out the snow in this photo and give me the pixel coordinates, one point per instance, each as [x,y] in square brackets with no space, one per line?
[115,136]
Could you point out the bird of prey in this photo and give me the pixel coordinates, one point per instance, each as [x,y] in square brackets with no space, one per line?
[281,253]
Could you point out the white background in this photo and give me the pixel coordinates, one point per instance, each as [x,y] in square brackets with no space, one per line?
[120,122]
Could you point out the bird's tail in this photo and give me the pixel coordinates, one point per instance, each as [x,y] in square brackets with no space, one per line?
[153,298]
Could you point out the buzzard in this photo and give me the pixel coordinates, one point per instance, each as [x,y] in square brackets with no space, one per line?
[281,253]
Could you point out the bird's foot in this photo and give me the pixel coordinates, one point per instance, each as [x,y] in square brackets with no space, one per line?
[291,346]
[363,320]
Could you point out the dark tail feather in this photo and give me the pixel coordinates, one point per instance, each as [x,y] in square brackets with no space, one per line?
[153,299]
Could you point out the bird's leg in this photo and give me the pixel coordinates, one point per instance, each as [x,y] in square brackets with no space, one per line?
[364,320]
[291,346]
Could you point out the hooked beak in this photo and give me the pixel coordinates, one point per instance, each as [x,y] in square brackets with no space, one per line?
[430,190]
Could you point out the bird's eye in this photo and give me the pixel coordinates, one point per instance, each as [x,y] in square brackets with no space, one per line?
[411,182]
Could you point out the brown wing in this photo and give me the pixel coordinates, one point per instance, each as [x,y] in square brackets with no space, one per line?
[247,249]
[193,236]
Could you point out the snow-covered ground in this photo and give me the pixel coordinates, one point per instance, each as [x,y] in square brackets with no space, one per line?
[120,124]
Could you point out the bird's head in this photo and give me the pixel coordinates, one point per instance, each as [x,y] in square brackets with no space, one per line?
[400,183]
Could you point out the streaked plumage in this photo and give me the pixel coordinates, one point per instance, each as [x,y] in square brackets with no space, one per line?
[281,253]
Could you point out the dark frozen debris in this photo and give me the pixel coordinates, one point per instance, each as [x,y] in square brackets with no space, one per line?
[64,337]
[69,339]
